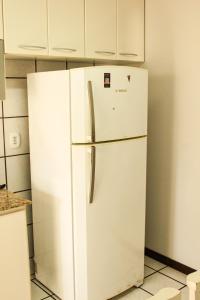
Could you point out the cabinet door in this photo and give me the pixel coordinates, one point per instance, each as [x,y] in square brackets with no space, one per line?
[66,27]
[25,26]
[100,26]
[130,30]
[1,21]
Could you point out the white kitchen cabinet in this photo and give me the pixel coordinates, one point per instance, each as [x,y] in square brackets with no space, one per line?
[130,30]
[25,27]
[66,28]
[14,260]
[1,20]
[100,29]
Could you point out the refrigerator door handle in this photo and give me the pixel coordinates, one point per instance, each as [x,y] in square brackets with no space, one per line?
[92,114]
[92,176]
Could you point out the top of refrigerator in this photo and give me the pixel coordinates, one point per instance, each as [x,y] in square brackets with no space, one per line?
[106,103]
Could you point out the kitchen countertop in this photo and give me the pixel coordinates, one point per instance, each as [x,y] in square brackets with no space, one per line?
[10,203]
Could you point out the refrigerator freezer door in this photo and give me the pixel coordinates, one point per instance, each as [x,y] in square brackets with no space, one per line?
[108,103]
[109,228]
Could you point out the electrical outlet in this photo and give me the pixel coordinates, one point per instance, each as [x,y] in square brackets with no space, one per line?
[15,140]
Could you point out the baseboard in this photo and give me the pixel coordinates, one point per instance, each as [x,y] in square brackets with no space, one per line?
[169,262]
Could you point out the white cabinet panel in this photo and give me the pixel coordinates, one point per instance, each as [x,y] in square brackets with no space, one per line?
[14,262]
[100,26]
[66,28]
[130,30]
[25,26]
[1,21]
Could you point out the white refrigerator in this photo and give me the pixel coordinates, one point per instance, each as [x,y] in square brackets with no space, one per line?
[88,140]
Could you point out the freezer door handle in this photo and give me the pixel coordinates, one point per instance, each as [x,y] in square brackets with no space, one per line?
[92,114]
[92,176]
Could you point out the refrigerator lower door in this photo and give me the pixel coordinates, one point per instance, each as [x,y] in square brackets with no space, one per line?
[109,183]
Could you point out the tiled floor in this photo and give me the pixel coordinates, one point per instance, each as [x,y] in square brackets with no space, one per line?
[157,276]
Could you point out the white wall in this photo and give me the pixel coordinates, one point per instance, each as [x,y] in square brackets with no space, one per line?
[173,192]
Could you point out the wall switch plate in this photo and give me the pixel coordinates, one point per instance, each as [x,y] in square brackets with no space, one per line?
[15,140]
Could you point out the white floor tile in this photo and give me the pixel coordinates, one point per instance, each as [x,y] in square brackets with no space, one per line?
[185,293]
[55,297]
[174,274]
[37,293]
[152,263]
[157,281]
[135,294]
[43,287]
[148,271]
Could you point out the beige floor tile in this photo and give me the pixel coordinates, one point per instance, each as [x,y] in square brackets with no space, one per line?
[152,263]
[134,294]
[174,274]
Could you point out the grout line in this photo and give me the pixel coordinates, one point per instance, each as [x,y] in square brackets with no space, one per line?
[36,66]
[182,287]
[171,278]
[15,117]
[27,190]
[7,156]
[13,77]
[150,274]
[155,269]
[146,291]
[48,297]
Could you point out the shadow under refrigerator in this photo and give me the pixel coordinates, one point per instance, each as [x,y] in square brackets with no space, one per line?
[88,141]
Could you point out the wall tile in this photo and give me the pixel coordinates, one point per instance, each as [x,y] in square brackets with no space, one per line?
[48,65]
[16,103]
[1,139]
[18,173]
[27,195]
[2,171]
[30,240]
[105,63]
[19,68]
[18,125]
[80,64]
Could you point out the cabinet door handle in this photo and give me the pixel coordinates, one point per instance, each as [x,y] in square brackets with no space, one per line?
[32,47]
[105,52]
[64,49]
[128,54]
